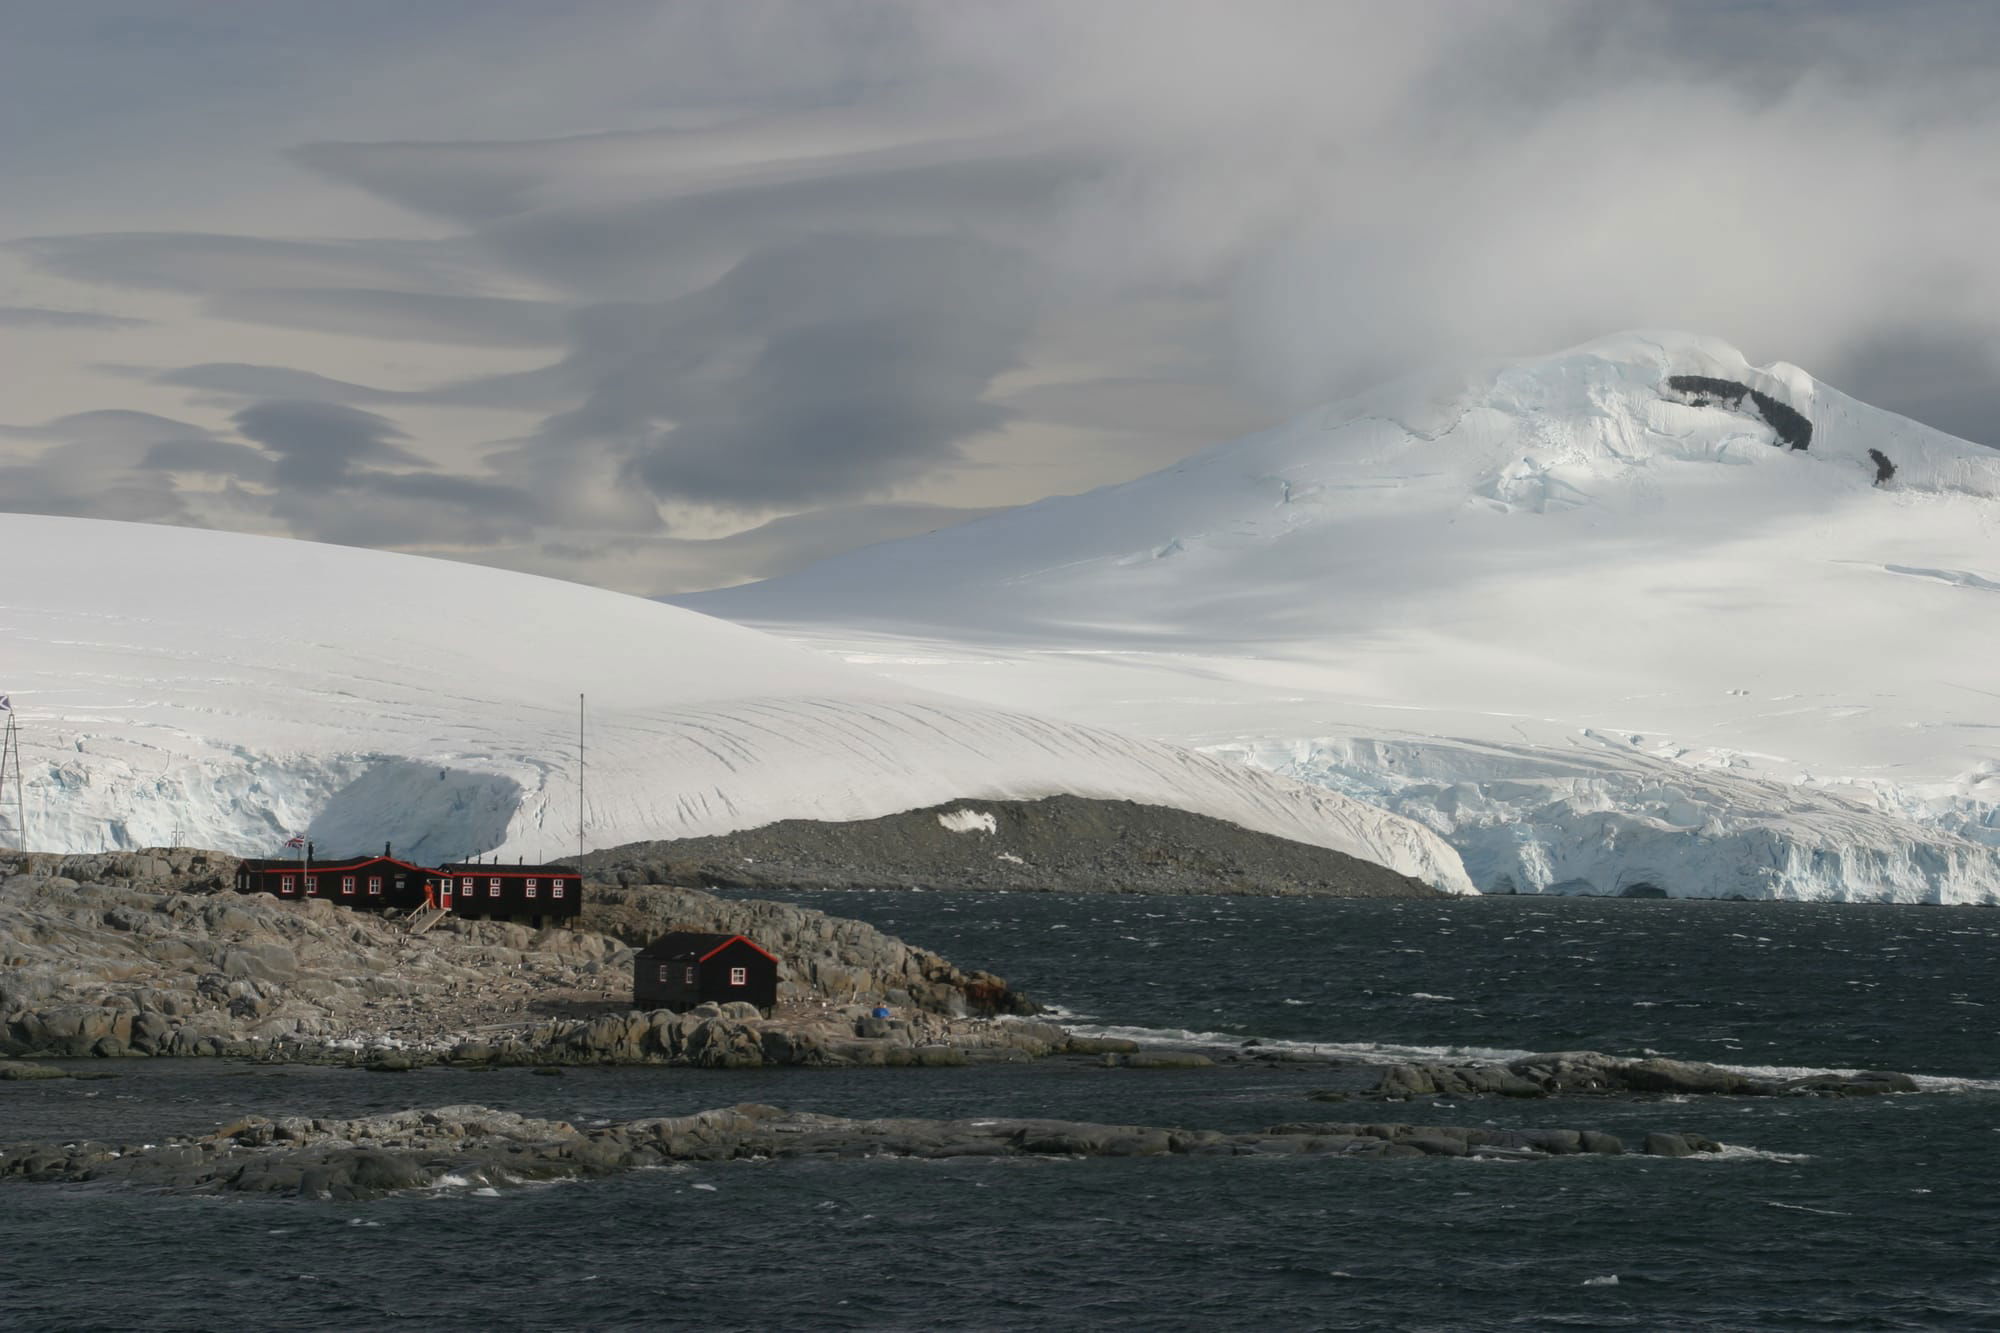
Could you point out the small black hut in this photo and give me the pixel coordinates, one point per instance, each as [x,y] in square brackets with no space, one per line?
[685,968]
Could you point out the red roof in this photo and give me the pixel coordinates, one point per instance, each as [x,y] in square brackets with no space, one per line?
[731,940]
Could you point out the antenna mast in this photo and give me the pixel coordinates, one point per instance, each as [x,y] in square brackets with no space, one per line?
[579,783]
[10,765]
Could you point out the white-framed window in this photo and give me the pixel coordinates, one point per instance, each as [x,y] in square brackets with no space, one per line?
[288,884]
[531,886]
[556,888]
[690,974]
[347,885]
[468,884]
[739,976]
[663,971]
[312,883]
[375,886]
[399,883]
[493,888]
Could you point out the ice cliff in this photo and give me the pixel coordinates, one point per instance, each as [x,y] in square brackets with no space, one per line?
[182,687]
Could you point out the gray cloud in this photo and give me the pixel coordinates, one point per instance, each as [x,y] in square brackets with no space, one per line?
[110,426]
[235,379]
[322,444]
[1944,377]
[849,242]
[477,321]
[214,457]
[821,371]
[41,317]
[210,263]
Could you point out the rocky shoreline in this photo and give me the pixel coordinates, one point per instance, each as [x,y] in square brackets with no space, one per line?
[476,1146]
[150,954]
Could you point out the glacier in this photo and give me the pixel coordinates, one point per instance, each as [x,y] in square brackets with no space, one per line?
[177,686]
[1634,616]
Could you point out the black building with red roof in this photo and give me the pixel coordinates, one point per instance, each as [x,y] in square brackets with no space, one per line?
[364,883]
[482,888]
[685,968]
[382,883]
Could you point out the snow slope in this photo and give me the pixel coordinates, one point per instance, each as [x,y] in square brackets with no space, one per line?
[1596,627]
[184,686]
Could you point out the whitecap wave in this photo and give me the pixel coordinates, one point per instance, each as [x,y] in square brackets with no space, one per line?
[1388,1052]
[1737,1152]
[1366,1052]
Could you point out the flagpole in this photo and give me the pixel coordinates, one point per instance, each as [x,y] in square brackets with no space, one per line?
[579,783]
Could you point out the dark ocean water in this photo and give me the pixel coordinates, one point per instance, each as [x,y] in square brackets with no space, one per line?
[1866,1214]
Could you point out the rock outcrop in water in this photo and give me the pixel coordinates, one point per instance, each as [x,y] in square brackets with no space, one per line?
[474,1145]
[1573,1073]
[1060,844]
[148,954]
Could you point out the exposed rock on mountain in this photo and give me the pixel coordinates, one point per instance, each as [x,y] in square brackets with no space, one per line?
[1057,844]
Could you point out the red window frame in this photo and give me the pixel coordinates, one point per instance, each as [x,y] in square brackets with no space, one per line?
[347,885]
[374,886]
[288,884]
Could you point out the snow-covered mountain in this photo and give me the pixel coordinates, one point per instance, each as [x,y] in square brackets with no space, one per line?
[182,686]
[1635,613]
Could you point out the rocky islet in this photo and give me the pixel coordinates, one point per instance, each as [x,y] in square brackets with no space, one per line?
[477,1146]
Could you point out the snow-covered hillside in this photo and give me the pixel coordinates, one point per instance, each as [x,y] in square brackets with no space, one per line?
[184,686]
[1635,613]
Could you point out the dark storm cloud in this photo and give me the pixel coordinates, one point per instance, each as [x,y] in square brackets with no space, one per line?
[40,317]
[821,370]
[214,457]
[338,477]
[321,444]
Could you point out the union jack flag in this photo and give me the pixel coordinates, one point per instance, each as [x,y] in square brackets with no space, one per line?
[296,840]
[6,703]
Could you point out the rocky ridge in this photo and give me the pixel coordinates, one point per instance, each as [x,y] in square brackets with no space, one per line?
[1059,844]
[478,1146]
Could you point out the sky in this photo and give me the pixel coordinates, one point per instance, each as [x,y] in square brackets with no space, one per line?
[669,296]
